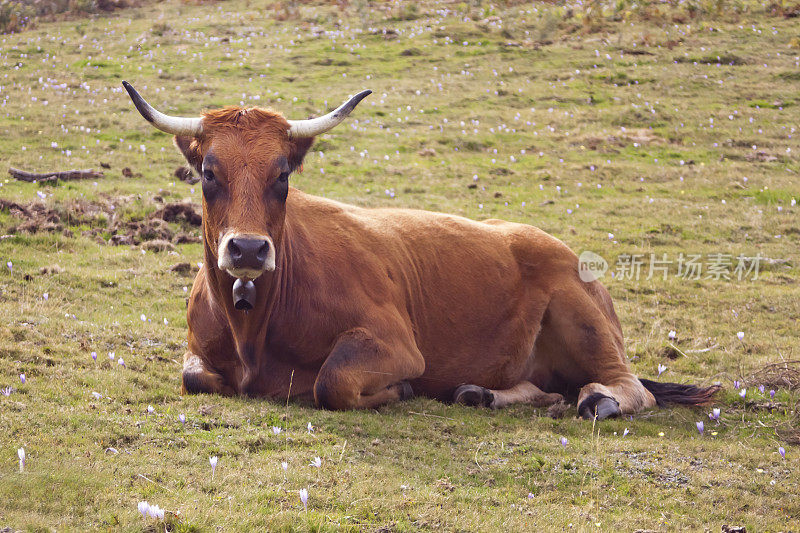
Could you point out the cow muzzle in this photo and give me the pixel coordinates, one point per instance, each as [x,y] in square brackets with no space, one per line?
[246,256]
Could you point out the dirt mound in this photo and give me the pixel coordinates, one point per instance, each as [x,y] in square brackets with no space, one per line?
[104,221]
[180,212]
[186,174]
[35,215]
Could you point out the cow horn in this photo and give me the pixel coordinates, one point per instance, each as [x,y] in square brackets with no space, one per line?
[191,127]
[316,126]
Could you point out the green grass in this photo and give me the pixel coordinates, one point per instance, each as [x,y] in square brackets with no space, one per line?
[615,141]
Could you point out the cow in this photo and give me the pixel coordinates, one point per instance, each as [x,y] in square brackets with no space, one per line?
[353,308]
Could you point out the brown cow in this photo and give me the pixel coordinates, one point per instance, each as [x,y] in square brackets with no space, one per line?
[304,296]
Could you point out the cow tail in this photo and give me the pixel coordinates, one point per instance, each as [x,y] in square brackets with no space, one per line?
[676,393]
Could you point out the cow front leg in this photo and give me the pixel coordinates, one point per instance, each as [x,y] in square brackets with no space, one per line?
[363,372]
[197,378]
[523,392]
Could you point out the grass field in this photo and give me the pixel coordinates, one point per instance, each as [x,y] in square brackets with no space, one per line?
[626,131]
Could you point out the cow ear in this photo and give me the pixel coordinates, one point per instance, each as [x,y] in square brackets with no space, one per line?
[298,151]
[190,148]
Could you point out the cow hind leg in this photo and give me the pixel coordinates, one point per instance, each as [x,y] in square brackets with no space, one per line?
[363,372]
[523,392]
[624,395]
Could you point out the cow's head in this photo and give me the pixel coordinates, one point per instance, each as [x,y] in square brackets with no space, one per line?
[245,157]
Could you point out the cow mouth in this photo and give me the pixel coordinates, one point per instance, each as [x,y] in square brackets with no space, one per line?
[244,273]
[244,294]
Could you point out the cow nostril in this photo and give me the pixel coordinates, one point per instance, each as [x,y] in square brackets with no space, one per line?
[263,250]
[234,250]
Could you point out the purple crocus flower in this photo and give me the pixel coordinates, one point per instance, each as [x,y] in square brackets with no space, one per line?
[761,389]
[782,451]
[304,498]
[155,512]
[701,427]
[21,455]
[743,393]
[736,384]
[6,391]
[772,393]
[564,441]
[22,378]
[182,418]
[94,357]
[714,414]
[213,461]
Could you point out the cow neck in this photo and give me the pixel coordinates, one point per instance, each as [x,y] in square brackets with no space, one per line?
[249,329]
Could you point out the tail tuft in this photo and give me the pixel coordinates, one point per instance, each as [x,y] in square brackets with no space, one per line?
[676,393]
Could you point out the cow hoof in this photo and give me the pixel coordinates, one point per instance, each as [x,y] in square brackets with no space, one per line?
[473,395]
[599,405]
[406,392]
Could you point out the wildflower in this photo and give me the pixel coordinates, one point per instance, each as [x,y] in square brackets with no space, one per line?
[22,378]
[121,361]
[761,389]
[96,395]
[10,266]
[736,384]
[740,335]
[284,465]
[316,463]
[625,433]
[310,428]
[700,427]
[182,418]
[150,409]
[213,461]
[772,393]
[672,335]
[743,393]
[714,414]
[7,391]
[94,357]
[144,508]
[111,355]
[155,512]
[304,498]
[661,369]
[530,495]
[564,441]
[781,451]
[276,430]
[21,455]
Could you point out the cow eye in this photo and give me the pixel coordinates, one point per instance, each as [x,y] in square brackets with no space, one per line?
[283,176]
[208,175]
